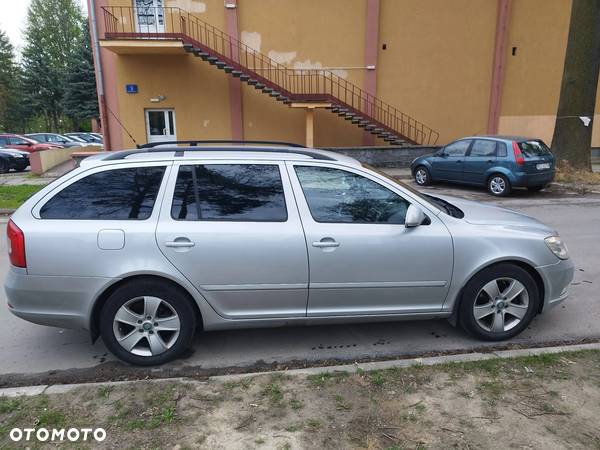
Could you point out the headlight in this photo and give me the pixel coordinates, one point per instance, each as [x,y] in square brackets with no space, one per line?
[557,246]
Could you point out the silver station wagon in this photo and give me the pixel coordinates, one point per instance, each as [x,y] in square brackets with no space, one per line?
[144,247]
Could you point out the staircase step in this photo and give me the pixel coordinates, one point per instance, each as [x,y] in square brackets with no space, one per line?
[252,82]
[200,53]
[188,48]
[220,64]
[244,77]
[267,90]
[228,69]
[259,86]
[399,142]
[370,127]
[274,94]
[283,98]
[236,73]
[212,59]
[355,120]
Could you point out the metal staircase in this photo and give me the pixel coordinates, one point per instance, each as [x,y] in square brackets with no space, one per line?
[284,84]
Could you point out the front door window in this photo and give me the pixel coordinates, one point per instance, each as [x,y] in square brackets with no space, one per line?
[160,125]
[150,16]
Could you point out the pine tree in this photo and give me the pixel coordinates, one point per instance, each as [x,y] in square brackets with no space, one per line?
[52,35]
[80,100]
[7,76]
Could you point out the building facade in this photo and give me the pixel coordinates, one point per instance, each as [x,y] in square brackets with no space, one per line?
[458,67]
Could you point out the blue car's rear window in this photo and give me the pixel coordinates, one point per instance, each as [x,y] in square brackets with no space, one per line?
[534,148]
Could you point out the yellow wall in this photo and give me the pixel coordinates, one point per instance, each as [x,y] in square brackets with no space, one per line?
[438,62]
[303,34]
[198,92]
[437,67]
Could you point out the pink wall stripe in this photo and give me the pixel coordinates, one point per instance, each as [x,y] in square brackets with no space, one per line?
[502,21]
[235,85]
[371,49]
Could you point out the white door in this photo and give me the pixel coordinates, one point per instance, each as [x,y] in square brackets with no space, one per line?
[149,16]
[160,125]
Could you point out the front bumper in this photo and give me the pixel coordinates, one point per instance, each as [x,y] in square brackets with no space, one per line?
[64,302]
[557,278]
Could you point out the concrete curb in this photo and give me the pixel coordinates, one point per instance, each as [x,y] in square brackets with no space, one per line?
[29,391]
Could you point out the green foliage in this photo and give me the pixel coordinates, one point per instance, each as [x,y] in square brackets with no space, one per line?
[80,100]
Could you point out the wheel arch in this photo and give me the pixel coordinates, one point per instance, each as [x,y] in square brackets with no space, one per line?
[529,268]
[101,299]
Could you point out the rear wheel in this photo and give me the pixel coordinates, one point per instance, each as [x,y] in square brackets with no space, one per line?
[498,185]
[499,302]
[147,322]
[422,176]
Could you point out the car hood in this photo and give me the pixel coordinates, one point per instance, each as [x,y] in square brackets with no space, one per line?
[484,214]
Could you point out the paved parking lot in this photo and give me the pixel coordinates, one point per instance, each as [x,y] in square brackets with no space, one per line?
[28,348]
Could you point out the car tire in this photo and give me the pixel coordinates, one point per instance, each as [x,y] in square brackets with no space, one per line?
[535,188]
[148,322]
[4,167]
[486,309]
[498,185]
[422,176]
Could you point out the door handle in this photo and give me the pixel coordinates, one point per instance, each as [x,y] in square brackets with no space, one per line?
[179,244]
[459,161]
[490,161]
[325,244]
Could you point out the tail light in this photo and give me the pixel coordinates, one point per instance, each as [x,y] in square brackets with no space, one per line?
[518,155]
[16,245]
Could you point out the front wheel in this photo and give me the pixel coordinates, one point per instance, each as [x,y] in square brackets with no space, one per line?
[499,302]
[422,176]
[4,167]
[147,322]
[498,185]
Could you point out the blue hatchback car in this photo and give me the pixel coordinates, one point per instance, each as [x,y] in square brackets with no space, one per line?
[498,162]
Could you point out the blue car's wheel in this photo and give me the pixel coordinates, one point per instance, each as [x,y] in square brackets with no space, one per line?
[422,176]
[498,185]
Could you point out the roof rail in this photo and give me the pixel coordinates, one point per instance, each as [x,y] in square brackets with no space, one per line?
[219,141]
[179,151]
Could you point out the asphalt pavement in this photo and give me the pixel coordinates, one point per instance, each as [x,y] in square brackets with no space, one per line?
[26,348]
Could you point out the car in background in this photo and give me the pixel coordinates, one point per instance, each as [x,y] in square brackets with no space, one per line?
[99,136]
[89,138]
[500,163]
[55,138]
[13,159]
[18,142]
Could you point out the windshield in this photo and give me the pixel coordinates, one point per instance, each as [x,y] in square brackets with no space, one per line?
[534,148]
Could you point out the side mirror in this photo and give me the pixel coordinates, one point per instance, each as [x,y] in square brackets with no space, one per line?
[414,216]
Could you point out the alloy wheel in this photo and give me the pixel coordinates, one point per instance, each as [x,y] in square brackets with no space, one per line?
[146,326]
[497,185]
[421,176]
[501,305]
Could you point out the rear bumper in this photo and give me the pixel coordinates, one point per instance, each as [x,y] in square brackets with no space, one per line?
[64,302]
[557,278]
[522,179]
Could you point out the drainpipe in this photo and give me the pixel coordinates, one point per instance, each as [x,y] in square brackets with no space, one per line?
[99,76]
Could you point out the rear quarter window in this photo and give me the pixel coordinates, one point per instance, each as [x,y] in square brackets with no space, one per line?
[117,194]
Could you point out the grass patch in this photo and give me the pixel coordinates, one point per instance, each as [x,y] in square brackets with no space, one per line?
[273,392]
[573,176]
[11,197]
[9,405]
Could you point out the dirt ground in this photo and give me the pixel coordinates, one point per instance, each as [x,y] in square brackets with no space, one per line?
[550,401]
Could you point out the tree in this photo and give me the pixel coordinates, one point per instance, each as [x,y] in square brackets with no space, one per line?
[7,75]
[80,101]
[52,35]
[572,136]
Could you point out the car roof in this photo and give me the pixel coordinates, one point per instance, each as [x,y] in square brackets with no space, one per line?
[500,137]
[217,152]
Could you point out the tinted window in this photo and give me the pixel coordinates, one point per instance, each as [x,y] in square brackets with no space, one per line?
[483,147]
[17,141]
[3,140]
[337,196]
[457,148]
[231,192]
[118,194]
[534,148]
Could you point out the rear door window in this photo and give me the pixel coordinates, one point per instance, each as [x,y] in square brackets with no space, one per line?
[117,194]
[534,148]
[483,148]
[229,192]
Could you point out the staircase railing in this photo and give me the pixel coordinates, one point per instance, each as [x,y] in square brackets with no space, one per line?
[126,22]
